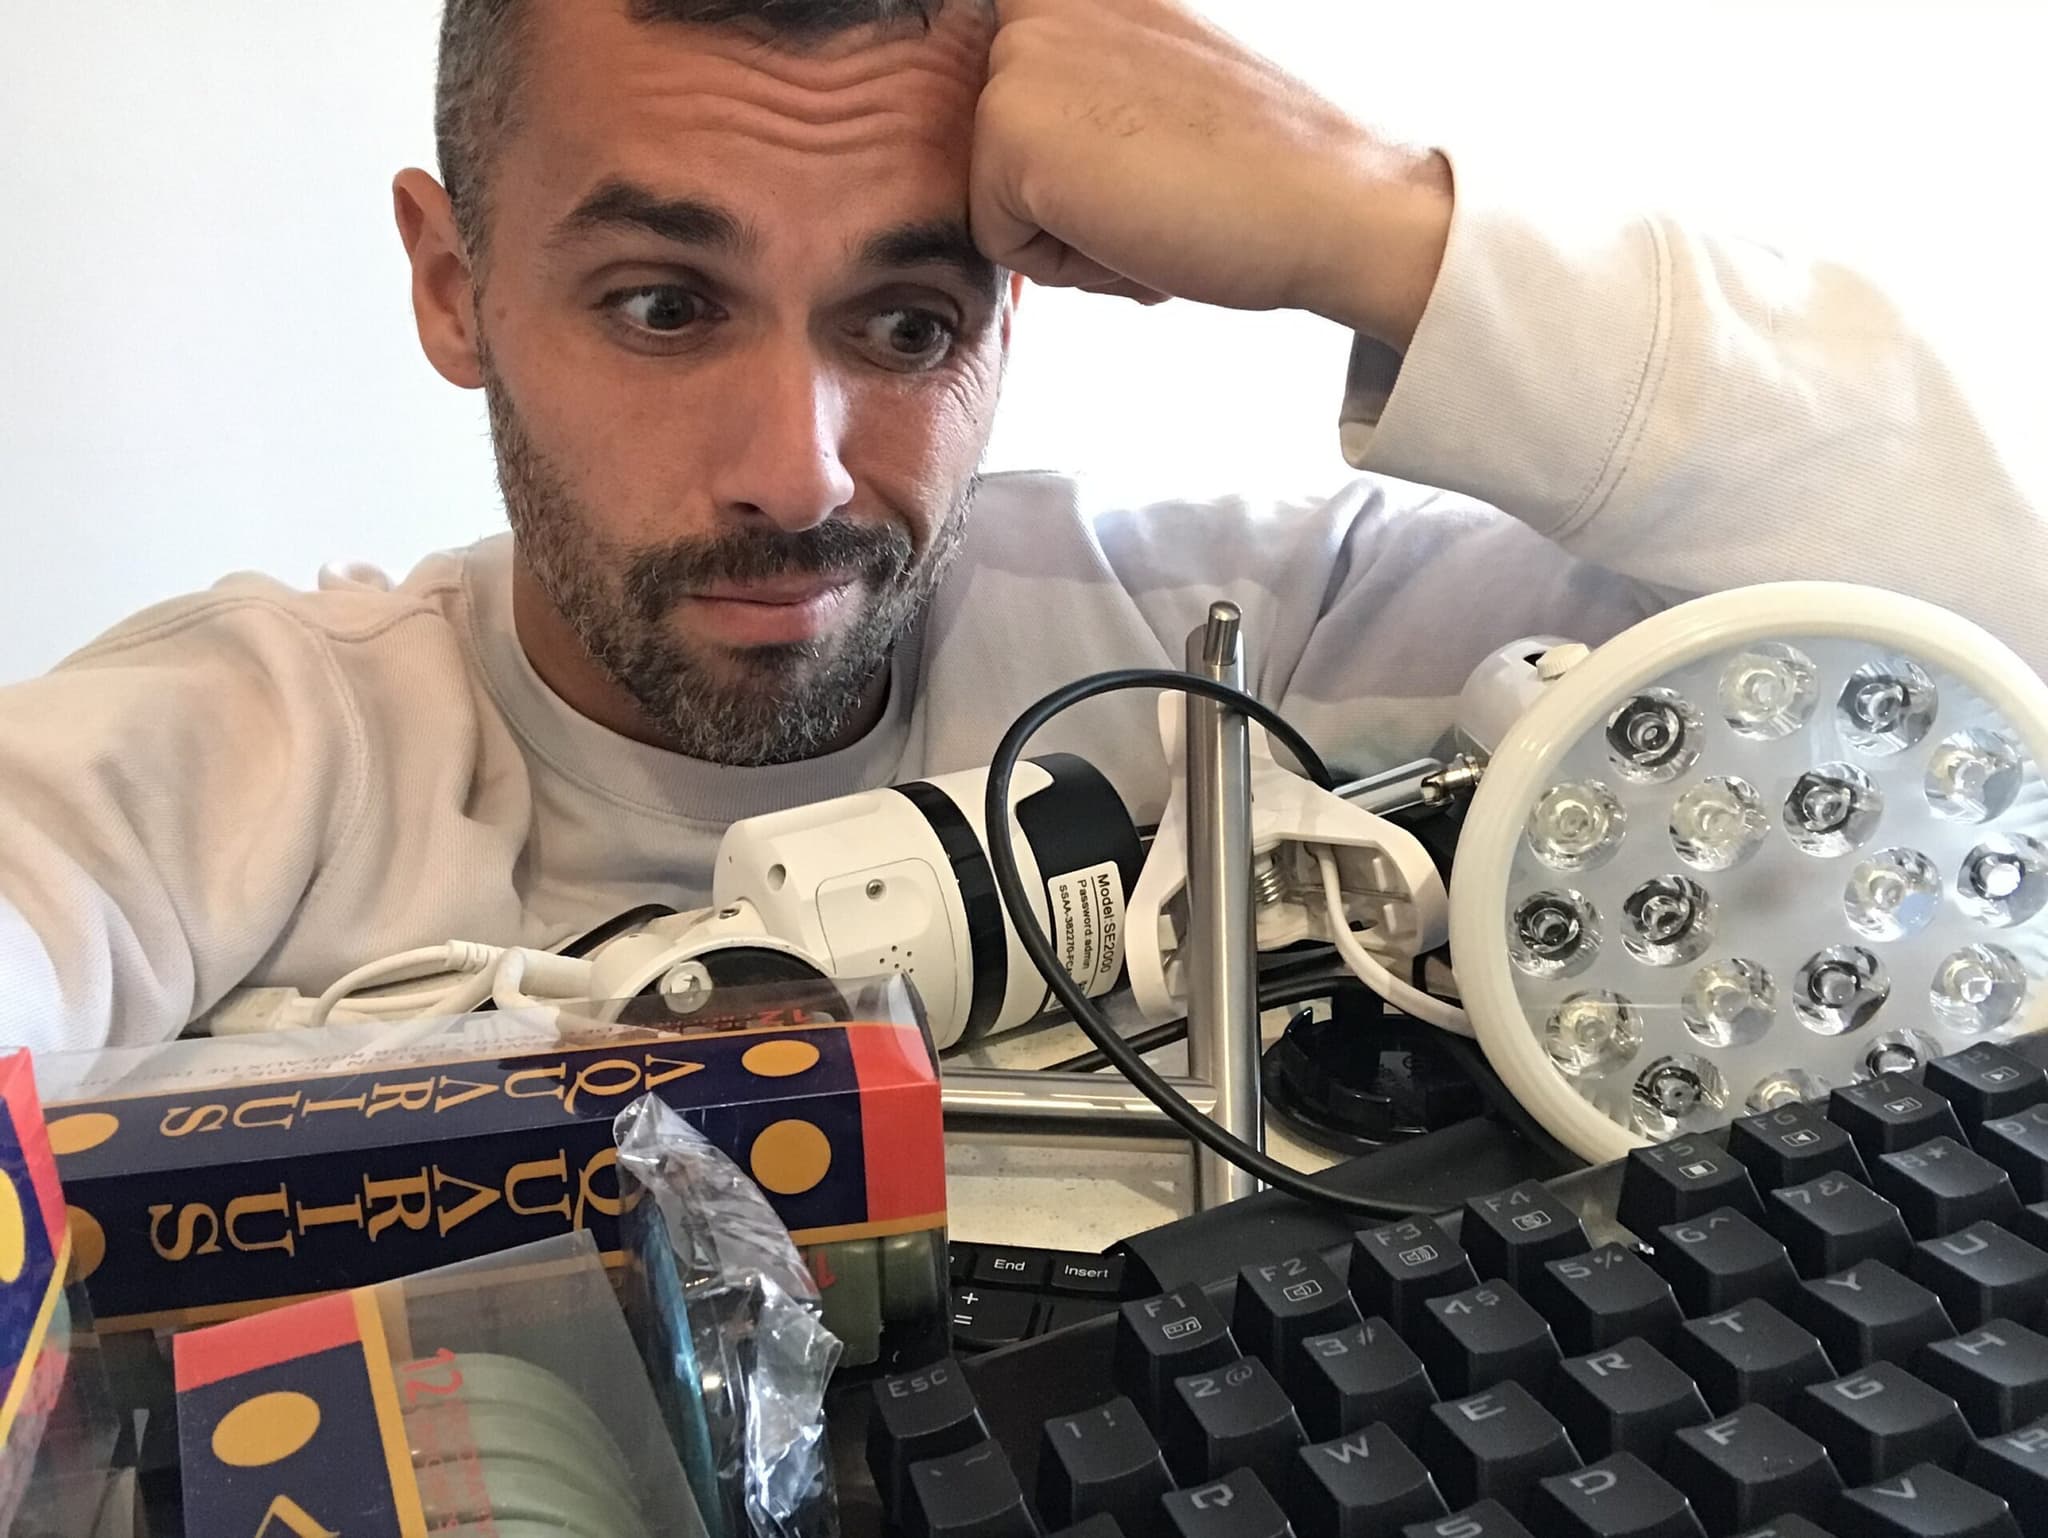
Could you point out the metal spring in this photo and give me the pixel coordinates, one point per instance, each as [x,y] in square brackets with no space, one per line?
[1269,883]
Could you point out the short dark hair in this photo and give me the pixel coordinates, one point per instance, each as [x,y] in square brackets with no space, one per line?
[476,90]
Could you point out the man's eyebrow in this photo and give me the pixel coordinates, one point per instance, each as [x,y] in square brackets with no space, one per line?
[936,242]
[618,205]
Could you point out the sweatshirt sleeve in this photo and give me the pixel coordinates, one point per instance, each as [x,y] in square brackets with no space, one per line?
[1697,413]
[166,797]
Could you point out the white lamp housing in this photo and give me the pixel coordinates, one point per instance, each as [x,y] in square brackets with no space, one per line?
[1766,843]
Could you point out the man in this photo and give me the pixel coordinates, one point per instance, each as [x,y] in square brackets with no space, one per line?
[739,278]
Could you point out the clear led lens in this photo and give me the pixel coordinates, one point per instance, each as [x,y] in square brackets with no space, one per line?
[1592,1034]
[2004,881]
[1840,990]
[1719,823]
[1654,738]
[1556,934]
[1832,810]
[1887,707]
[1974,776]
[1785,1087]
[1729,1004]
[1577,826]
[1898,1052]
[1768,692]
[1979,988]
[1674,1090]
[1668,921]
[1894,893]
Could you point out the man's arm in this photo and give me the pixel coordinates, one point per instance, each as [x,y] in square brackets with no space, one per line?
[166,798]
[1698,414]
[1691,414]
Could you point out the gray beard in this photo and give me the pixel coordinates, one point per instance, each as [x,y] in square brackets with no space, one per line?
[780,704]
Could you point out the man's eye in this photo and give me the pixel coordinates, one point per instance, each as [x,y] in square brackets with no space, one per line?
[661,308]
[908,339]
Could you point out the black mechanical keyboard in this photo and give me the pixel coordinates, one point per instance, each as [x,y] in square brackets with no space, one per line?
[1828,1320]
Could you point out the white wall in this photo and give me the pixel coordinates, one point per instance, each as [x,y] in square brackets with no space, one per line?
[206,356]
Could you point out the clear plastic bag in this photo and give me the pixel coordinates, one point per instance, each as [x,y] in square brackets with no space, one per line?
[732,1330]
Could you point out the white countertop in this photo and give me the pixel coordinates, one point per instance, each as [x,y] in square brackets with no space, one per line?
[1076,1193]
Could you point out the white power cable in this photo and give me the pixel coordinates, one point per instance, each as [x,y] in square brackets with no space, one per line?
[464,956]
[1369,969]
[559,977]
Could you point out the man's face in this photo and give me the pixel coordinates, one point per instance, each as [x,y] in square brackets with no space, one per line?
[741,357]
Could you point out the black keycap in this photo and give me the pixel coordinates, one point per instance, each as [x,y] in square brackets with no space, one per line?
[1397,1267]
[1720,1259]
[1011,1268]
[1750,1354]
[1358,1487]
[1235,1506]
[1670,1182]
[1483,1519]
[920,1415]
[1923,1502]
[1870,1313]
[1997,1371]
[1510,1234]
[1105,1461]
[1281,1305]
[960,1259]
[1940,1186]
[2018,1144]
[1891,1112]
[1748,1468]
[1061,1312]
[1982,1272]
[1346,1381]
[971,1494]
[1235,1417]
[1626,1398]
[1832,1223]
[2014,1466]
[1608,1295]
[985,1317]
[1493,1446]
[1789,1527]
[1094,1527]
[1792,1145]
[1881,1421]
[1618,1497]
[1164,1338]
[2032,1224]
[1986,1081]
[1088,1276]
[1484,1335]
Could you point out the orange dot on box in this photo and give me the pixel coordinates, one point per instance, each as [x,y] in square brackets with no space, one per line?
[780,1059]
[790,1157]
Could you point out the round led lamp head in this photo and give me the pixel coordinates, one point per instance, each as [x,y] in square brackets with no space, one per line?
[1765,844]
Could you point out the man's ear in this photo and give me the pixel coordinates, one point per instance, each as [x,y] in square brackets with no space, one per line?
[1011,300]
[443,295]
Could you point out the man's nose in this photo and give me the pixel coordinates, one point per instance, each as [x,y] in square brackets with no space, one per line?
[784,429]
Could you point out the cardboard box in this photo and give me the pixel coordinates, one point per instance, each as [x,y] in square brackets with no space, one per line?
[210,1180]
[458,1399]
[56,1422]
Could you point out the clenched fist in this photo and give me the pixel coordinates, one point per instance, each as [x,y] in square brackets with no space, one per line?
[1130,147]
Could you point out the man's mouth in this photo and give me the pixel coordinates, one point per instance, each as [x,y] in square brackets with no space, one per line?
[779,612]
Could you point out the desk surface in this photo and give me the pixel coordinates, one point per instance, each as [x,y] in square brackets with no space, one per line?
[1076,1193]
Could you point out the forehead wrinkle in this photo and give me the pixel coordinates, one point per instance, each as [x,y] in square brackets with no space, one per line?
[669,68]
